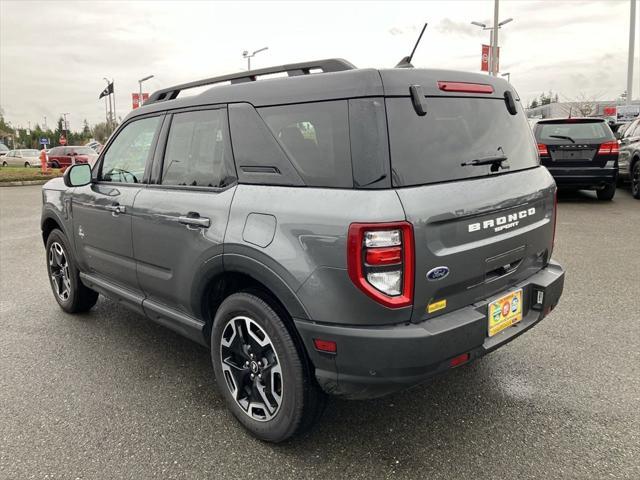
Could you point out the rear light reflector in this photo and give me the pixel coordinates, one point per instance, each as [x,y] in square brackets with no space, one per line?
[609,148]
[464,87]
[328,346]
[543,150]
[555,220]
[459,360]
[380,260]
[384,256]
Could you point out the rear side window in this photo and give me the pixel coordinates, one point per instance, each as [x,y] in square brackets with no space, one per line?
[198,151]
[552,132]
[431,148]
[315,136]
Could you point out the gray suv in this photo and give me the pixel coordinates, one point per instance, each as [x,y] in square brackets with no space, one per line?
[337,230]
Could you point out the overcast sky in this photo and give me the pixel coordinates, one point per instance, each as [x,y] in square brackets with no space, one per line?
[54,55]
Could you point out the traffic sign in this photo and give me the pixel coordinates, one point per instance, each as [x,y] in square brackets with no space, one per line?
[44,141]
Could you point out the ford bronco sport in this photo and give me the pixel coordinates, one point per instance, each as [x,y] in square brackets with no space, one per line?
[339,230]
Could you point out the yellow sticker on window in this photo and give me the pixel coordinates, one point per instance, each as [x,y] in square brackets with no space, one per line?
[435,306]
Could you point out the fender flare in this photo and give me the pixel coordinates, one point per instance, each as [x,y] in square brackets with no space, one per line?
[238,263]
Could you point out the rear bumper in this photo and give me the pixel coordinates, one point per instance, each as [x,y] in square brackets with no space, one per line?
[375,361]
[584,177]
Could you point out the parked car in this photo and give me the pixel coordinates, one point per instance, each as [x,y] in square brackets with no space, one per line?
[3,149]
[352,232]
[63,157]
[21,158]
[629,160]
[580,153]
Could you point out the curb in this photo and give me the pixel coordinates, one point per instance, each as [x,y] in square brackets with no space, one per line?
[24,183]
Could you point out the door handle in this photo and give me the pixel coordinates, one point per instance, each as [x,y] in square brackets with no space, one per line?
[116,209]
[194,220]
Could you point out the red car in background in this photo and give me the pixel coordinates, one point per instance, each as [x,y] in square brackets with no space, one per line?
[63,157]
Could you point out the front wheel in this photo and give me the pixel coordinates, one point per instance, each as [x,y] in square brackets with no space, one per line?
[68,290]
[27,164]
[635,180]
[5,164]
[607,192]
[264,378]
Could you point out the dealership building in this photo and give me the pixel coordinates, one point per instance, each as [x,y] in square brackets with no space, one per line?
[589,109]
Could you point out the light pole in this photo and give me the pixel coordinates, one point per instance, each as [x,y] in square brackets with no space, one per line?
[140,85]
[108,99]
[64,125]
[493,39]
[248,56]
[508,75]
[632,35]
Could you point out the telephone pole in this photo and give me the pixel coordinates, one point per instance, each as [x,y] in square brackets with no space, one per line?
[632,41]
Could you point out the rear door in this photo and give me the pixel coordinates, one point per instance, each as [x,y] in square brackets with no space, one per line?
[573,143]
[102,210]
[488,225]
[180,219]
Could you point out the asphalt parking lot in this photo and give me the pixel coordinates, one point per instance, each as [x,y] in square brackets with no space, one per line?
[110,394]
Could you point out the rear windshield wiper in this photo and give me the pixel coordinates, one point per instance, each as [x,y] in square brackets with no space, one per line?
[495,161]
[563,137]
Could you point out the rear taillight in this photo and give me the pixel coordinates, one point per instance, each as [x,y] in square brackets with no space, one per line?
[380,260]
[543,151]
[609,148]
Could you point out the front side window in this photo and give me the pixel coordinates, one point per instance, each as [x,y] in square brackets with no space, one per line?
[198,152]
[129,152]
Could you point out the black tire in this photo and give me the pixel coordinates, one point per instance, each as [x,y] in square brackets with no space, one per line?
[607,192]
[55,165]
[27,164]
[301,401]
[635,180]
[5,164]
[65,276]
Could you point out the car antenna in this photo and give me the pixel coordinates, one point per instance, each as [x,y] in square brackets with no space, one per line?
[406,61]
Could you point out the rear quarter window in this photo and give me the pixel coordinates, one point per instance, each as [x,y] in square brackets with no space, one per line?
[315,137]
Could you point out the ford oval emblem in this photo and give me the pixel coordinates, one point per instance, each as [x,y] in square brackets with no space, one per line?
[437,273]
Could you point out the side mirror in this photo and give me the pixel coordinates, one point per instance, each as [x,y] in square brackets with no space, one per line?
[77,175]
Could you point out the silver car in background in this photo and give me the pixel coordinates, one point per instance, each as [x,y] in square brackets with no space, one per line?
[22,158]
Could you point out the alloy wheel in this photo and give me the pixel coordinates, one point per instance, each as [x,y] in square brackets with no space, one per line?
[251,368]
[635,179]
[59,271]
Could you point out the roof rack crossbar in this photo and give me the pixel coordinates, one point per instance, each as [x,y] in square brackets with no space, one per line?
[292,70]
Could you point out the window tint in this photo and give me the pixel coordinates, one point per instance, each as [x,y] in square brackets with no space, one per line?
[54,151]
[316,139]
[582,130]
[432,148]
[127,155]
[198,152]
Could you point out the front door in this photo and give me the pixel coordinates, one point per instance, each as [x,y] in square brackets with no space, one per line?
[102,209]
[180,219]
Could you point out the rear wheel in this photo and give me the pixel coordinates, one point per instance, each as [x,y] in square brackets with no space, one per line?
[607,192]
[264,378]
[635,180]
[27,164]
[5,164]
[68,290]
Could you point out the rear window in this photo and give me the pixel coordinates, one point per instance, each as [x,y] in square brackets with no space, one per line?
[553,132]
[315,137]
[432,148]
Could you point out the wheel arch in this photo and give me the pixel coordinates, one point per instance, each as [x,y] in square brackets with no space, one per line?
[50,223]
[228,274]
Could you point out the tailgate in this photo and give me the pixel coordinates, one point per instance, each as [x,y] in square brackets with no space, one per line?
[489,233]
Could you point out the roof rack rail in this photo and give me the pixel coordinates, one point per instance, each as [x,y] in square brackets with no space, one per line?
[292,69]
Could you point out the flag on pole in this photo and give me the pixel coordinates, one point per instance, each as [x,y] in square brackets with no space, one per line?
[106,91]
